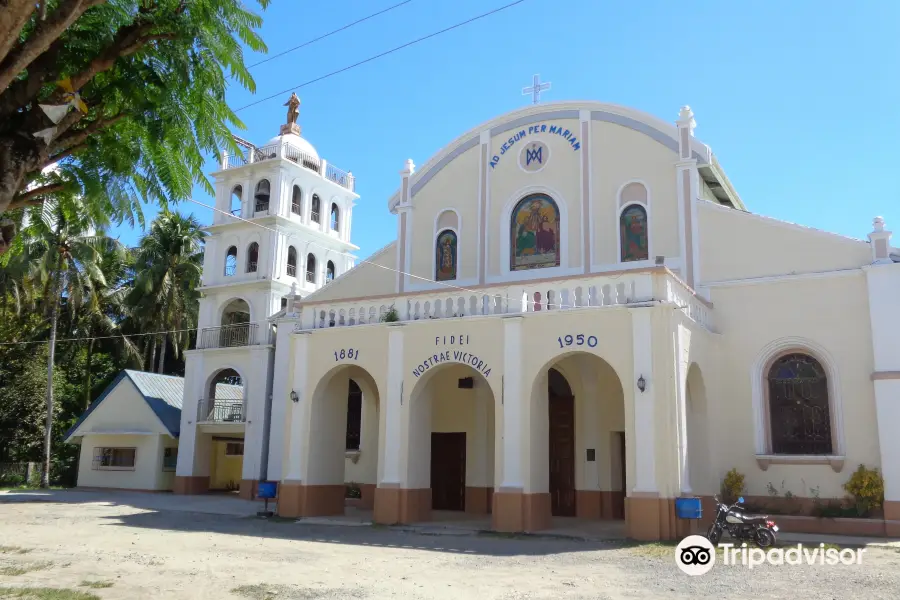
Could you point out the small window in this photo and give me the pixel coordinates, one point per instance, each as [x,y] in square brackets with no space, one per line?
[231,261]
[295,200]
[252,257]
[314,209]
[114,459]
[292,262]
[234,449]
[262,196]
[236,200]
[170,458]
[354,416]
[310,268]
[335,216]
[329,271]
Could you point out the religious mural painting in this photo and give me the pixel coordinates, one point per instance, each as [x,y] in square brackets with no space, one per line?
[446,259]
[633,233]
[534,234]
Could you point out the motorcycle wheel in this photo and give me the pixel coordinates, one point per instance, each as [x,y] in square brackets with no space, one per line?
[714,534]
[764,538]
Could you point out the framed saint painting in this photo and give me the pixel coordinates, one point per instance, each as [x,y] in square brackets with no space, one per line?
[445,256]
[534,234]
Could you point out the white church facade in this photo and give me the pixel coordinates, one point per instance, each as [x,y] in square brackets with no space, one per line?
[579,317]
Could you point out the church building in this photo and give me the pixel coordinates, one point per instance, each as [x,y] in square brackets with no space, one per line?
[579,317]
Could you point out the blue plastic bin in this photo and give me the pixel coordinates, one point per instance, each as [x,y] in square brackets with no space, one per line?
[688,508]
[267,490]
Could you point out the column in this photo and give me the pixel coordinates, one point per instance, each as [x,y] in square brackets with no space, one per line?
[256,404]
[404,230]
[290,501]
[192,467]
[682,343]
[883,279]
[281,400]
[389,497]
[688,190]
[642,502]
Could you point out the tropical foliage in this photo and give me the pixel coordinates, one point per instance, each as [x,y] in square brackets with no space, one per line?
[76,307]
[126,97]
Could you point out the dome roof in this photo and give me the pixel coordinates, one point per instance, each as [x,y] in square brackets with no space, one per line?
[296,141]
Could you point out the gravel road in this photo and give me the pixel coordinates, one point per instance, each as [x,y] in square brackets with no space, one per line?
[129,553]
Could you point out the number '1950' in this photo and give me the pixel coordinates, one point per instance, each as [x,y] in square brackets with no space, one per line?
[577,340]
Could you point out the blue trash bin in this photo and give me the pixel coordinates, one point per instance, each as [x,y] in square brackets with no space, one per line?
[688,508]
[267,490]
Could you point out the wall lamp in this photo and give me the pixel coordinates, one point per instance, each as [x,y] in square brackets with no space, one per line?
[295,397]
[641,383]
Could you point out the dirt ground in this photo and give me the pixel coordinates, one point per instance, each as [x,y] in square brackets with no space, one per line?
[116,551]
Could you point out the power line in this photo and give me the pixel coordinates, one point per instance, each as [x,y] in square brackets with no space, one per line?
[377,56]
[330,33]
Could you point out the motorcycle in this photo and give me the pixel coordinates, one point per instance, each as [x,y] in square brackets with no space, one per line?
[741,526]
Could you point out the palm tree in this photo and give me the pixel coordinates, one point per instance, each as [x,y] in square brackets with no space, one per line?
[169,263]
[61,252]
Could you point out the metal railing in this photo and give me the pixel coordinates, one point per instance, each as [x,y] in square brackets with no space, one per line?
[229,336]
[265,153]
[314,216]
[211,410]
[339,176]
[230,270]
[261,206]
[310,277]
[295,155]
[292,270]
[295,208]
[251,266]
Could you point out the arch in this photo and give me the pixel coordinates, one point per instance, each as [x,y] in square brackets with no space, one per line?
[452,407]
[315,209]
[311,268]
[335,217]
[291,261]
[534,233]
[231,261]
[224,397]
[634,233]
[252,257]
[702,480]
[236,200]
[262,195]
[581,393]
[233,304]
[329,271]
[446,255]
[798,406]
[296,200]
[761,395]
[506,223]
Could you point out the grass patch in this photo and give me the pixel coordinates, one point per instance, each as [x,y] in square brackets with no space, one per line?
[265,591]
[46,594]
[97,585]
[21,569]
[14,550]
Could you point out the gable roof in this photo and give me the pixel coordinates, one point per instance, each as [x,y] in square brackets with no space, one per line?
[162,393]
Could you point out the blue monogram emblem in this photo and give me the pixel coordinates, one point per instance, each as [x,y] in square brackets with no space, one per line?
[533,156]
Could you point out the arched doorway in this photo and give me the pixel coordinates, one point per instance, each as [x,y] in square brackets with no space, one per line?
[344,429]
[451,457]
[220,422]
[701,480]
[578,451]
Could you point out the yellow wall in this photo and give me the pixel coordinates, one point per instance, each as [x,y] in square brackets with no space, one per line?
[224,470]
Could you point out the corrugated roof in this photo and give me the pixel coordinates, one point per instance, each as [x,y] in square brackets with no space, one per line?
[164,395]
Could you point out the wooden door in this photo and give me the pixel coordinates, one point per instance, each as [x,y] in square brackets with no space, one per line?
[562,455]
[448,471]
[619,500]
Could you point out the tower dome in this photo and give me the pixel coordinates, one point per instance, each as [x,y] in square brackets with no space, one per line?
[296,141]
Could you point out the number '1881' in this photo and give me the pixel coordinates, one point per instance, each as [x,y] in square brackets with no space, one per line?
[349,353]
[577,340]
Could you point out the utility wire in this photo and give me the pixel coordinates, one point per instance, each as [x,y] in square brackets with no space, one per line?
[330,33]
[377,56]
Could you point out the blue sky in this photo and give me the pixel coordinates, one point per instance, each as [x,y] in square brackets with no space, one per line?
[800,100]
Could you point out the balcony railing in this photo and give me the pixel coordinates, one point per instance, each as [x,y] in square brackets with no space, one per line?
[310,277]
[229,336]
[314,216]
[292,270]
[295,155]
[210,410]
[261,206]
[598,291]
[295,208]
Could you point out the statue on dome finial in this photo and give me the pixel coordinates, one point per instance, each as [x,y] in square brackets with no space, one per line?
[293,113]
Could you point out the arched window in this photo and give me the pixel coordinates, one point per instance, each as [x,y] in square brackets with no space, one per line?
[335,216]
[292,262]
[329,271]
[310,268]
[296,197]
[231,261]
[633,234]
[534,233]
[237,195]
[354,416]
[445,259]
[799,407]
[252,257]
[262,196]
[314,209]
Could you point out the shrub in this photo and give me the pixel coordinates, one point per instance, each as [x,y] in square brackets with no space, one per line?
[353,491]
[732,486]
[867,488]
[390,316]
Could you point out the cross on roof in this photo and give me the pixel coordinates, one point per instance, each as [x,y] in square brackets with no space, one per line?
[536,88]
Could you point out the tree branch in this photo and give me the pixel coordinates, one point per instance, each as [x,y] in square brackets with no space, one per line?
[68,144]
[14,14]
[41,38]
[34,197]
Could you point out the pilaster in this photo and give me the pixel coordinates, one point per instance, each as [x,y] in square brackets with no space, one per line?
[644,427]
[687,185]
[393,504]
[404,226]
[280,399]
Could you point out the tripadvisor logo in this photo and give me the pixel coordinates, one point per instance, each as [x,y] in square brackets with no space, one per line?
[695,555]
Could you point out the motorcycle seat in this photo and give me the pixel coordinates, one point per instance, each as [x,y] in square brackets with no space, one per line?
[748,518]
